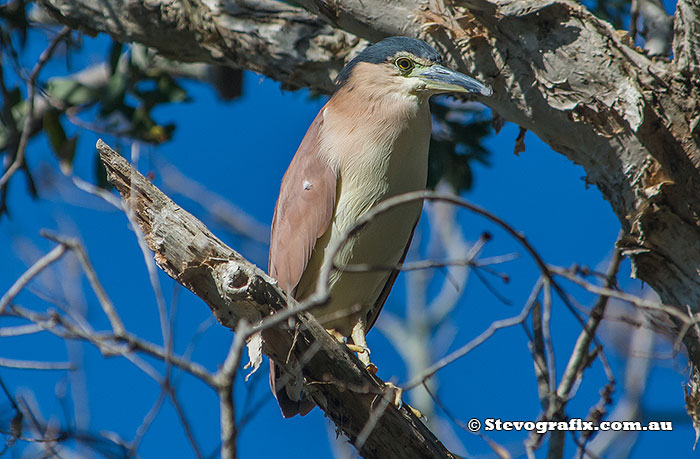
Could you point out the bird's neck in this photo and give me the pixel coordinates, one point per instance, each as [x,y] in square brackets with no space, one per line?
[379,115]
[375,125]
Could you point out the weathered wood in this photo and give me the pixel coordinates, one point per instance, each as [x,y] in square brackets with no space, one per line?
[235,289]
[265,36]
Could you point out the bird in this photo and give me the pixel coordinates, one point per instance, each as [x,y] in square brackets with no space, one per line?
[368,143]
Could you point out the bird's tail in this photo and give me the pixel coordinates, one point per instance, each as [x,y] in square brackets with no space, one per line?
[287,389]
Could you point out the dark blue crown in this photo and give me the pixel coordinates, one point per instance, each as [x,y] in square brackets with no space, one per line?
[385,49]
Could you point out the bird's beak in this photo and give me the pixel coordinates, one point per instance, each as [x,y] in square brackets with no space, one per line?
[442,79]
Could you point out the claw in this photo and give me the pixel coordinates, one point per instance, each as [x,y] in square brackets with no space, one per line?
[398,392]
[417,413]
[398,401]
[361,348]
[336,334]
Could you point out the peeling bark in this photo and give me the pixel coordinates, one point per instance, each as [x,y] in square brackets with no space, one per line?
[265,36]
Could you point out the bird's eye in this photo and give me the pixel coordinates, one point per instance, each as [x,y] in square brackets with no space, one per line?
[404,64]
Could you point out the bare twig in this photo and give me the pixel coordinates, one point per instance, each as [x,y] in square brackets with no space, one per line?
[539,357]
[41,264]
[20,330]
[632,299]
[579,360]
[547,332]
[224,379]
[34,365]
[110,344]
[473,344]
[185,422]
[102,297]
[146,424]
[31,88]
[406,198]
[574,367]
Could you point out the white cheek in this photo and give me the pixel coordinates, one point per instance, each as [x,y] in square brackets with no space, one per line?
[414,86]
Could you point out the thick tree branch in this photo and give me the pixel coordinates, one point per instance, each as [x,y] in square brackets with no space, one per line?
[236,290]
[266,36]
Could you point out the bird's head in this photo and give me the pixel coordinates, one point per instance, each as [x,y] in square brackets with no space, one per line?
[406,66]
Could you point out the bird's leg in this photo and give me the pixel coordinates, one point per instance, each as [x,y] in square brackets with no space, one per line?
[398,401]
[353,347]
[358,337]
[360,346]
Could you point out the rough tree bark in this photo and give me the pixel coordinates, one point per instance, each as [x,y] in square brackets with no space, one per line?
[237,290]
[632,121]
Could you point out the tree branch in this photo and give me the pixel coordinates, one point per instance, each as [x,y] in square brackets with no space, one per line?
[686,43]
[266,36]
[236,290]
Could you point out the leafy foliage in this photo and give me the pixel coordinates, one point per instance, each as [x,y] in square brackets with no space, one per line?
[122,104]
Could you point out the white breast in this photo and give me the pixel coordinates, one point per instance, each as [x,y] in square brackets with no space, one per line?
[390,160]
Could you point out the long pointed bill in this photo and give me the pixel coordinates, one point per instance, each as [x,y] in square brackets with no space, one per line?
[442,79]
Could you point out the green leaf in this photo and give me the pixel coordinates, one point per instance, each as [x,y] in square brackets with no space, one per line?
[19,111]
[63,147]
[14,96]
[54,129]
[13,121]
[67,154]
[115,52]
[167,90]
[114,93]
[71,92]
[457,141]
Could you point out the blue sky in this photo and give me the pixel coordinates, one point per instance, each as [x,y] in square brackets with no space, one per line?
[240,150]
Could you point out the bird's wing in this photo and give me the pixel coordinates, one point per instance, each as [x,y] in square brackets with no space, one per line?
[379,304]
[304,210]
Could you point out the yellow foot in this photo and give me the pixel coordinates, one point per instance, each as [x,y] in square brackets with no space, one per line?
[397,400]
[397,393]
[336,334]
[416,412]
[362,350]
[356,348]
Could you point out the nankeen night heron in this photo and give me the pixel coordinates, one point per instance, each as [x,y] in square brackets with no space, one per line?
[368,143]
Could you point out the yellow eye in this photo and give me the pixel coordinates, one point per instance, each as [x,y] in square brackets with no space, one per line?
[404,64]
